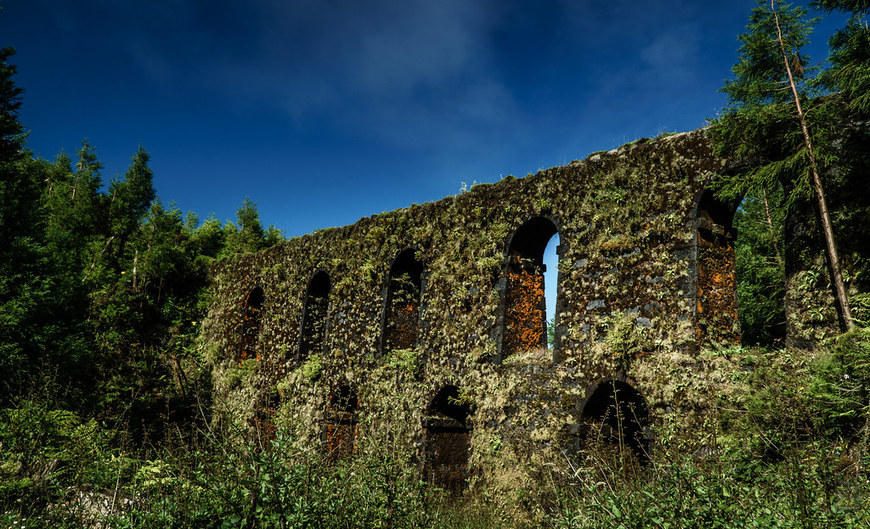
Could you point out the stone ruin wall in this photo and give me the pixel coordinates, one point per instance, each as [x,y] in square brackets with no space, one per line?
[419,331]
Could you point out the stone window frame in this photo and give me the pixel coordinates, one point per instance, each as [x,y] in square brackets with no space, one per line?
[716,211]
[559,306]
[342,409]
[248,306]
[301,354]
[386,294]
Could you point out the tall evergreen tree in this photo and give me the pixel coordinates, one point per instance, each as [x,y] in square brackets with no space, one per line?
[20,253]
[129,200]
[849,73]
[248,235]
[766,121]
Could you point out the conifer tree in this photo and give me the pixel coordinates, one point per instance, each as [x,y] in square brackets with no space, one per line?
[73,209]
[849,73]
[20,254]
[129,200]
[248,236]
[767,124]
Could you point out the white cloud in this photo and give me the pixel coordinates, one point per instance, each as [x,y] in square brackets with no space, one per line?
[673,56]
[381,66]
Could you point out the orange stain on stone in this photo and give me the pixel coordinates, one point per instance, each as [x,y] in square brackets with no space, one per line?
[524,313]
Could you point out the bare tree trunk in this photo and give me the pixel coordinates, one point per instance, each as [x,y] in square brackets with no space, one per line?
[135,266]
[827,229]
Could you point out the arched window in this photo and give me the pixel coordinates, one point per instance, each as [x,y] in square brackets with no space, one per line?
[525,306]
[618,415]
[447,436]
[716,294]
[314,315]
[252,319]
[402,310]
[341,423]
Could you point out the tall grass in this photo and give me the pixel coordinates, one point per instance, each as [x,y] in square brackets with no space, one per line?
[789,448]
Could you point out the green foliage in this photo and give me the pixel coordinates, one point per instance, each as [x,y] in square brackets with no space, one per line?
[104,286]
[759,73]
[551,332]
[248,235]
[625,339]
[783,450]
[760,269]
[311,369]
[21,255]
[407,360]
[849,73]
[104,289]
[787,132]
[841,387]
[855,6]
[726,490]
[760,124]
[62,475]
[45,450]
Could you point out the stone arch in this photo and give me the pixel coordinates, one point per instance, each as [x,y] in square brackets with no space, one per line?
[446,440]
[252,320]
[341,423]
[715,296]
[402,302]
[617,413]
[314,315]
[524,315]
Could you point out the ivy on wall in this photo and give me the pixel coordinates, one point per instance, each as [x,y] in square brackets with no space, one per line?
[629,253]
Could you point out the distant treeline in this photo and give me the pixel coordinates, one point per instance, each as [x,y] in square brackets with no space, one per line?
[101,284]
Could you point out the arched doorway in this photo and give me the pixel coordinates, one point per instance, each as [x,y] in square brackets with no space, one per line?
[446,440]
[617,414]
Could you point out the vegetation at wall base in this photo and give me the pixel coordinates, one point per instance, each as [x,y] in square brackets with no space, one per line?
[789,447]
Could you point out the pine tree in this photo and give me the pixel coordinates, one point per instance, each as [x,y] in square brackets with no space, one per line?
[849,73]
[248,236]
[20,251]
[766,122]
[129,200]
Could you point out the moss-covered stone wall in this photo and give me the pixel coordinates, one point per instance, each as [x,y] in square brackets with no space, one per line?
[636,302]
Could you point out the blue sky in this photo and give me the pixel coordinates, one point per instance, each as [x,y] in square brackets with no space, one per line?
[325,111]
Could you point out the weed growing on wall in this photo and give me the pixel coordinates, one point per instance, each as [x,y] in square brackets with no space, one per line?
[626,225]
